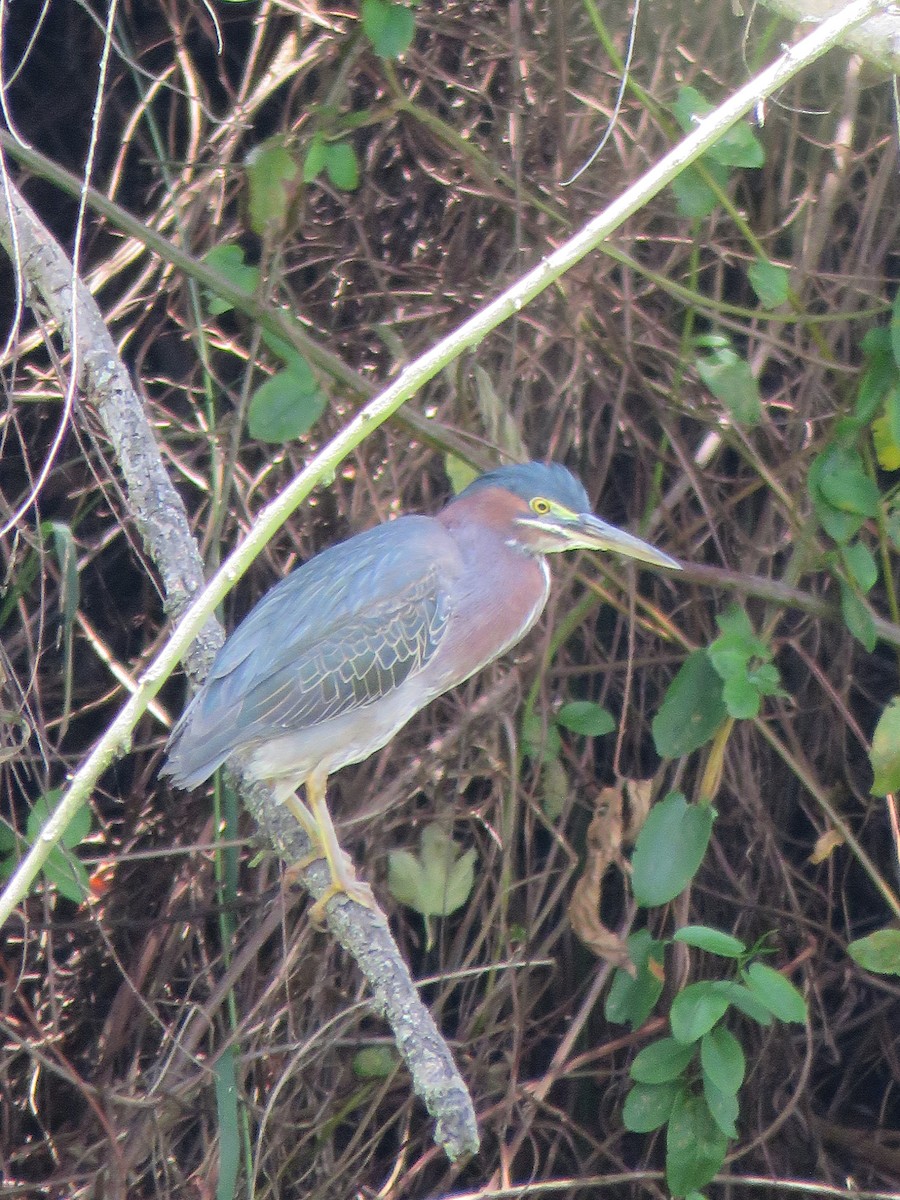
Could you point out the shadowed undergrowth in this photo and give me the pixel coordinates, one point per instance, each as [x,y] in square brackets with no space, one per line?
[710,381]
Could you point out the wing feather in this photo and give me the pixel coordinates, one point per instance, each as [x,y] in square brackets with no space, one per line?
[338,633]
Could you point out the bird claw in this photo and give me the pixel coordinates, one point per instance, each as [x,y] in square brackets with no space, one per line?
[343,883]
[293,872]
[354,889]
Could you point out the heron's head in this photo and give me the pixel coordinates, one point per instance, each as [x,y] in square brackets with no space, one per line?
[546,510]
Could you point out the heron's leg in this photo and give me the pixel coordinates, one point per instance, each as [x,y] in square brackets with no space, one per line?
[317,824]
[307,822]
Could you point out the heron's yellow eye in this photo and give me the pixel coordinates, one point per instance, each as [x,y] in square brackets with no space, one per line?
[540,506]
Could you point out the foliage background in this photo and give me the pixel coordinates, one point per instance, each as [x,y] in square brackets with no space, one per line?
[461,147]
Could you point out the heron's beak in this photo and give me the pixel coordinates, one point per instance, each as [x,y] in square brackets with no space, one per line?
[588,532]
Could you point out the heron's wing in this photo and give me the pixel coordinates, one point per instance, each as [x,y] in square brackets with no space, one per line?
[366,655]
[345,629]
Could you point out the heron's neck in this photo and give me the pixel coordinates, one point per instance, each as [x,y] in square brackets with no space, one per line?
[504,585]
[487,516]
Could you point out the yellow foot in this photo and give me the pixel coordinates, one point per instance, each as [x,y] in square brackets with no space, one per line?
[317,824]
[293,873]
[343,883]
[353,889]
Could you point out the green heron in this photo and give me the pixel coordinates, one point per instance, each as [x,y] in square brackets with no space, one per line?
[338,656]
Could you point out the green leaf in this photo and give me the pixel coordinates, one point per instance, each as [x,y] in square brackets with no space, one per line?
[69,599]
[857,617]
[67,558]
[44,807]
[225,1073]
[375,1062]
[731,655]
[838,525]
[729,659]
[459,472]
[61,868]
[695,1010]
[878,378]
[770,282]
[895,328]
[690,106]
[879,952]
[845,484]
[540,742]
[273,175]
[695,1146]
[741,698]
[341,166]
[737,631]
[713,941]
[739,147]
[314,161]
[555,788]
[778,994]
[731,381]
[586,717]
[887,447]
[694,198]
[841,526]
[229,262]
[669,849]
[723,1107]
[892,413]
[499,421]
[303,374]
[632,998]
[860,562]
[744,1000]
[693,708]
[438,880]
[876,341]
[649,1105]
[885,753]
[282,408]
[389,27]
[661,1061]
[767,680]
[722,1059]
[67,875]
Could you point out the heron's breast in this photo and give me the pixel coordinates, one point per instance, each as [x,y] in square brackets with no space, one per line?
[492,609]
